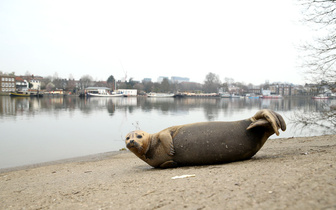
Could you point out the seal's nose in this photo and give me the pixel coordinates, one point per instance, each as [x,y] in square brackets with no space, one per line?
[130,144]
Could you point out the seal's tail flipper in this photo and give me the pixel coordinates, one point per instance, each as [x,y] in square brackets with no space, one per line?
[282,121]
[267,117]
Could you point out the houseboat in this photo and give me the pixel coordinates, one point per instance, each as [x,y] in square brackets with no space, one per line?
[271,96]
[266,94]
[100,92]
[127,92]
[160,95]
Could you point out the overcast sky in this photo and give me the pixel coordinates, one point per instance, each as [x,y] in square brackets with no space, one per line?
[249,41]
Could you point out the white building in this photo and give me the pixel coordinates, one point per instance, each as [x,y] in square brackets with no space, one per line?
[36,84]
[21,84]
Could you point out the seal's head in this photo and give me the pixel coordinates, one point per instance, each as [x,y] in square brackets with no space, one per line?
[138,142]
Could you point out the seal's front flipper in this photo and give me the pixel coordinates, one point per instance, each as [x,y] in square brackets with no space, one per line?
[261,122]
[169,164]
[166,139]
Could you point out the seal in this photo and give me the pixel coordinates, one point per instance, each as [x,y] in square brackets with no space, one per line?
[205,143]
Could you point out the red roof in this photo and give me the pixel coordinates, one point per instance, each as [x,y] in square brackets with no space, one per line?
[19,79]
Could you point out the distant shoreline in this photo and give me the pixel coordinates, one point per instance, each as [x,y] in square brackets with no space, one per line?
[77,95]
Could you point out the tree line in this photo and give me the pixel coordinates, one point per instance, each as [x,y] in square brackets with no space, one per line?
[212,84]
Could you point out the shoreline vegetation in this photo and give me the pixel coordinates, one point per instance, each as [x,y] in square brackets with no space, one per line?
[288,173]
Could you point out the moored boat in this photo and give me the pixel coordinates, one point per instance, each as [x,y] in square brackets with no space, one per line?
[252,95]
[20,94]
[104,95]
[100,92]
[236,96]
[228,95]
[160,95]
[271,96]
[203,95]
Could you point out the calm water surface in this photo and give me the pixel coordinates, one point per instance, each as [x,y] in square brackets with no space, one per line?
[53,128]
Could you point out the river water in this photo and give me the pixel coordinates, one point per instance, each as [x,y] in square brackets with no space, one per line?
[52,128]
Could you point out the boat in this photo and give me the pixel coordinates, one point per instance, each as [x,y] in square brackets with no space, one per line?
[179,95]
[104,95]
[236,96]
[203,95]
[126,92]
[100,92]
[227,95]
[252,96]
[20,94]
[321,96]
[271,96]
[160,95]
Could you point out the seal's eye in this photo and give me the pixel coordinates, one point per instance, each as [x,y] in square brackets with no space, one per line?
[139,136]
[127,138]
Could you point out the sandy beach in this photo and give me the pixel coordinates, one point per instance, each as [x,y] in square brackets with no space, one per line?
[293,173]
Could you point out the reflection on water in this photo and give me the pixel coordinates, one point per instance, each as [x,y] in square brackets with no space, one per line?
[37,130]
[212,107]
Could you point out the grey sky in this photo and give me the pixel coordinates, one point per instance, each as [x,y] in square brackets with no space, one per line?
[249,41]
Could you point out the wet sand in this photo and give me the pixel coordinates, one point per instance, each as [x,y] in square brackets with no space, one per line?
[293,173]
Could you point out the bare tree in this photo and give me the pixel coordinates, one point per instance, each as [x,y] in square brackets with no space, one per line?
[50,86]
[322,121]
[140,87]
[85,81]
[189,86]
[211,83]
[148,86]
[319,56]
[55,76]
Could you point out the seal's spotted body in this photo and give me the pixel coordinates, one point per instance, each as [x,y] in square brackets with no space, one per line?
[207,142]
[227,147]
